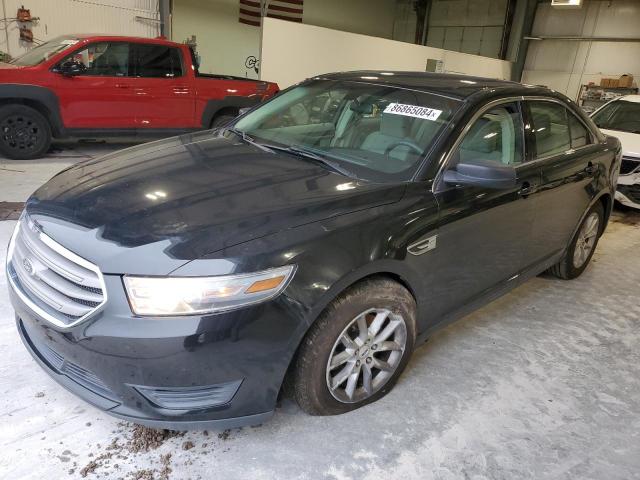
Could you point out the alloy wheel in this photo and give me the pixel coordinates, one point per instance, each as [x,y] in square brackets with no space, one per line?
[366,355]
[586,240]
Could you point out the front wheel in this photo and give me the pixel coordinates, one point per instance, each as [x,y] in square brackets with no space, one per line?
[357,349]
[25,133]
[583,245]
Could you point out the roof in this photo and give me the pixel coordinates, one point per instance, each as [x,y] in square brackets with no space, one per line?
[122,38]
[630,98]
[453,85]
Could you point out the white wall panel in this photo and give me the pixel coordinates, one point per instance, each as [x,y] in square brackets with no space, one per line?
[319,50]
[58,17]
[224,44]
[565,65]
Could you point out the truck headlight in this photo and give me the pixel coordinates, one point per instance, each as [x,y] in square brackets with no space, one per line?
[161,296]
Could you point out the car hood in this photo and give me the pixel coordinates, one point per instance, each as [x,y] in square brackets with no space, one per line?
[630,141]
[151,208]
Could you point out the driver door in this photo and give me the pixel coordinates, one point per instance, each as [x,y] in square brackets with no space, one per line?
[483,232]
[101,96]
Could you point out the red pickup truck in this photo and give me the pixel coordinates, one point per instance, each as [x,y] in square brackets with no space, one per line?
[87,86]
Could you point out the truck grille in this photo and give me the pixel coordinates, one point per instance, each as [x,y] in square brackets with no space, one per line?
[629,165]
[57,284]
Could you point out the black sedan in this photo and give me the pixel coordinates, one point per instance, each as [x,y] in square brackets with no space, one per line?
[313,242]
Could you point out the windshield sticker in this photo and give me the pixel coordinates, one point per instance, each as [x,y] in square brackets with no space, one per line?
[413,111]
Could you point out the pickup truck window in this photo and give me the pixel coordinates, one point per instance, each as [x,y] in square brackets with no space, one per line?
[45,51]
[105,59]
[156,61]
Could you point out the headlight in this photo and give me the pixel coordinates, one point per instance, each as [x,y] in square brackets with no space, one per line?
[155,296]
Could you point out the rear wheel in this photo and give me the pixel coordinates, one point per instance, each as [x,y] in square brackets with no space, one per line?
[24,132]
[222,120]
[357,349]
[582,246]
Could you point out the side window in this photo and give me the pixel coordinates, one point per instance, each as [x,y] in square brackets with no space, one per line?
[104,59]
[156,61]
[579,134]
[496,136]
[550,128]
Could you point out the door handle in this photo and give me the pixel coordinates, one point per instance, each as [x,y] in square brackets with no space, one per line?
[590,169]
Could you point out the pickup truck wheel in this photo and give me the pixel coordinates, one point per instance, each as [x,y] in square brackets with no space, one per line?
[582,247]
[221,120]
[24,132]
[356,350]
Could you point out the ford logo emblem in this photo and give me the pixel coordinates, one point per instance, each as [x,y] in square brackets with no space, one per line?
[26,263]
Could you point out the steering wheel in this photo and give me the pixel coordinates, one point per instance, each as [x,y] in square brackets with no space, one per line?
[403,143]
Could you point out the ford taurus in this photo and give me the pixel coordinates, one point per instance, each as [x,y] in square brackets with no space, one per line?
[314,242]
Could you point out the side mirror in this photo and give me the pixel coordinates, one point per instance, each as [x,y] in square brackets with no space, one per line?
[482,174]
[71,69]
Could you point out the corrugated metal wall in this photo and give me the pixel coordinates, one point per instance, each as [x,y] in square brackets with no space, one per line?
[564,65]
[58,17]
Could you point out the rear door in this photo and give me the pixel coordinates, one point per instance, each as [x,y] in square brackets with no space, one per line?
[100,96]
[568,157]
[482,232]
[164,93]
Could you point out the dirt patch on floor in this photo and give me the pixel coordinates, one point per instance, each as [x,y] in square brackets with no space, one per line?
[10,210]
[138,440]
[144,439]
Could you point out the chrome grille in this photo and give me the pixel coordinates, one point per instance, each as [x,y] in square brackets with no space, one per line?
[629,165]
[57,284]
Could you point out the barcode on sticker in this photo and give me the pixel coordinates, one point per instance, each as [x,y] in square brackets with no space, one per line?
[413,111]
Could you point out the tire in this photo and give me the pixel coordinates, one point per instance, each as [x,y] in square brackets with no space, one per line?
[25,133]
[368,300]
[222,120]
[573,263]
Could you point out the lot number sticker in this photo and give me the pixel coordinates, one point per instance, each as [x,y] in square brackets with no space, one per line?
[413,111]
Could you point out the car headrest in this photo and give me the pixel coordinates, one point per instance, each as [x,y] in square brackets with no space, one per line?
[394,125]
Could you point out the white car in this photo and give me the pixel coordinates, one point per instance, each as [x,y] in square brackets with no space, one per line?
[621,118]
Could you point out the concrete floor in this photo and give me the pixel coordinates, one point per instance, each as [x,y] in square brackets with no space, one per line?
[543,383]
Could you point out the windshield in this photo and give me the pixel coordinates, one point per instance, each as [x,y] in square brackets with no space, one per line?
[45,51]
[377,132]
[619,115]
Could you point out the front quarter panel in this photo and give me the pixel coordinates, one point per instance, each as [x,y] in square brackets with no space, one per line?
[335,253]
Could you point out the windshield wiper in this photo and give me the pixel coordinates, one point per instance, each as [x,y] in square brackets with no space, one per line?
[311,155]
[248,139]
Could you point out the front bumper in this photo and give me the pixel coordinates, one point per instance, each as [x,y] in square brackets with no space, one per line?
[628,190]
[215,371]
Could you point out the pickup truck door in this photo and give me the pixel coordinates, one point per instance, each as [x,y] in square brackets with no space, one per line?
[162,86]
[99,96]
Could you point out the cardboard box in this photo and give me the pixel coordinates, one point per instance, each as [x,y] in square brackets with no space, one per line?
[626,81]
[604,82]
